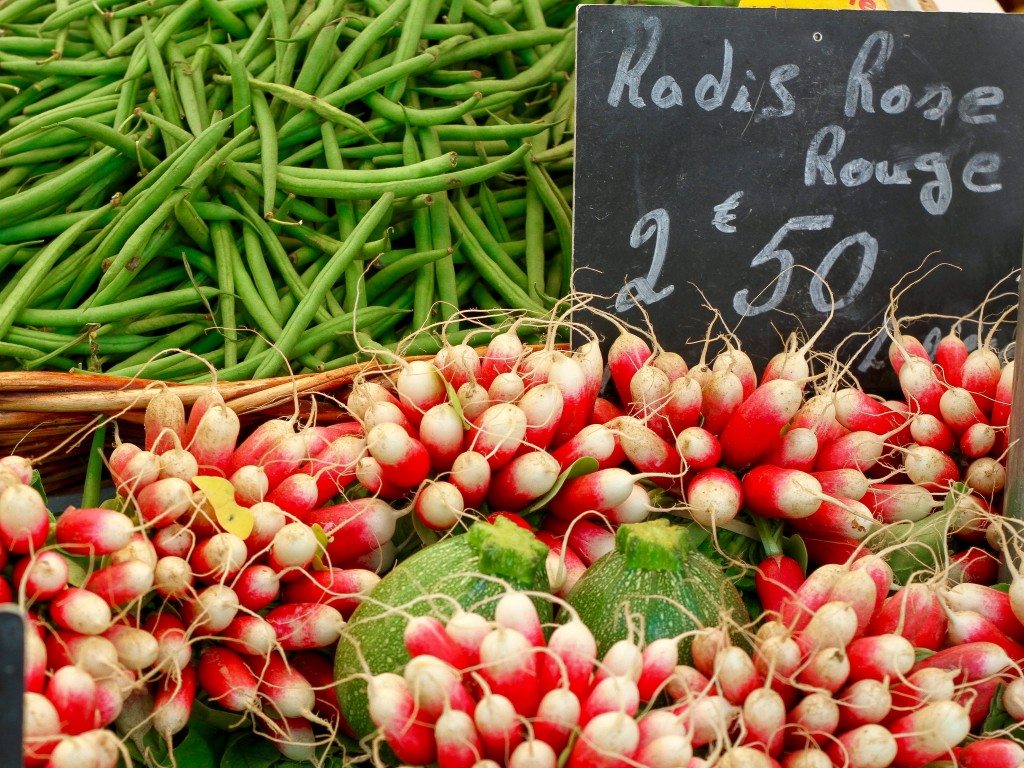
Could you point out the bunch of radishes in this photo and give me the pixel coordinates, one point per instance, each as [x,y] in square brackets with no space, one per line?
[832,679]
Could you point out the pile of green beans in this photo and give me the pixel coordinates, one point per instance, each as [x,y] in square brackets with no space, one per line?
[277,185]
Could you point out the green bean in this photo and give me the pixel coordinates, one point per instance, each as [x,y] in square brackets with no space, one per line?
[322,12]
[223,243]
[534,242]
[263,282]
[187,96]
[490,245]
[40,264]
[401,188]
[277,255]
[251,184]
[59,187]
[75,318]
[155,323]
[424,168]
[40,46]
[137,363]
[178,133]
[32,126]
[357,49]
[268,155]
[399,113]
[16,9]
[559,212]
[102,40]
[308,304]
[190,221]
[45,154]
[317,58]
[80,67]
[305,101]
[58,342]
[94,87]
[198,66]
[162,84]
[77,10]
[166,27]
[144,8]
[138,250]
[241,94]
[225,19]
[95,470]
[506,287]
[112,138]
[400,268]
[409,37]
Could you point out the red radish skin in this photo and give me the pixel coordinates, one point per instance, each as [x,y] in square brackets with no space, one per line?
[810,596]
[458,744]
[972,661]
[471,474]
[814,719]
[250,634]
[224,677]
[974,565]
[607,741]
[624,659]
[403,459]
[522,481]
[435,687]
[92,531]
[72,691]
[894,502]
[818,414]
[283,689]
[588,540]
[758,421]
[625,357]
[980,376]
[340,588]
[705,647]
[635,509]
[319,671]
[612,694]
[24,520]
[682,405]
[605,411]
[257,586]
[250,452]
[497,434]
[863,702]
[355,527]
[879,657]
[721,396]
[848,483]
[544,406]
[35,661]
[267,520]
[764,715]
[508,664]
[214,440]
[915,613]
[950,355]
[827,669]
[213,608]
[735,673]
[514,610]
[335,467]
[931,431]
[172,705]
[868,746]
[596,441]
[297,494]
[497,723]
[593,492]
[569,662]
[648,452]
[135,470]
[41,576]
[841,518]
[564,566]
[776,580]
[467,631]
[442,434]
[698,448]
[921,387]
[977,441]
[425,635]
[687,683]
[929,734]
[218,558]
[993,604]
[778,492]
[569,376]
[304,626]
[858,450]
[80,610]
[990,753]
[959,411]
[796,449]
[857,411]
[714,497]
[458,364]
[173,641]
[419,388]
[737,361]
[163,501]
[972,627]
[859,588]
[659,663]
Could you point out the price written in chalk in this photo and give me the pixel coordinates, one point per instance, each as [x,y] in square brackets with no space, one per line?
[781,166]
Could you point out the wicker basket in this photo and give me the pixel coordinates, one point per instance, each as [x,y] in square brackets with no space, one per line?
[49,417]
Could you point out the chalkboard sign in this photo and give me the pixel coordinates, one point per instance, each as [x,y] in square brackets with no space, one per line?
[787,163]
[12,686]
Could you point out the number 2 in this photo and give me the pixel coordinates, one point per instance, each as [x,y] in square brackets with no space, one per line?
[641,289]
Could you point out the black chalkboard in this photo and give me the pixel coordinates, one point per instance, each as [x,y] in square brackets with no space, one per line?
[12,686]
[715,146]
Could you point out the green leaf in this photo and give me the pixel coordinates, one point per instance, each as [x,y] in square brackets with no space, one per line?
[920,654]
[453,401]
[78,569]
[37,483]
[794,546]
[997,718]
[322,540]
[582,466]
[214,718]
[247,750]
[195,751]
[426,535]
[1001,587]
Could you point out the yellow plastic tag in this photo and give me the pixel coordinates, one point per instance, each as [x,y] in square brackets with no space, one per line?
[232,516]
[835,5]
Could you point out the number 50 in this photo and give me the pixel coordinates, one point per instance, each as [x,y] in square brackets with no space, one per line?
[772,251]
